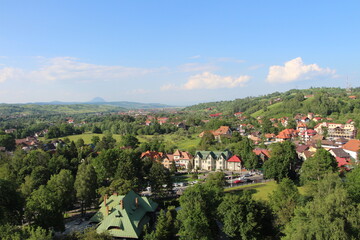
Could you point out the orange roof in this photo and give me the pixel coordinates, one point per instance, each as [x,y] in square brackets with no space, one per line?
[270,135]
[221,130]
[262,151]
[352,145]
[287,133]
[152,154]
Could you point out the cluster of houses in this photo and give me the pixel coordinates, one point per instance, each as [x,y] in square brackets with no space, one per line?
[203,160]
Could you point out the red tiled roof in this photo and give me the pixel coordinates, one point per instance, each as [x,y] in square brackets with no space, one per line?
[234,159]
[216,115]
[342,161]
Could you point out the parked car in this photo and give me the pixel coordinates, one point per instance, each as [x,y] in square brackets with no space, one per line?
[237,181]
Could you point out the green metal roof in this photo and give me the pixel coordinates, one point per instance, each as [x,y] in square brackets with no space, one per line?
[126,221]
[215,154]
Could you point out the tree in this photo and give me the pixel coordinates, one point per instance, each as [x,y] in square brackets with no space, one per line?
[282,162]
[95,140]
[62,185]
[7,141]
[160,179]
[330,215]
[173,168]
[216,179]
[283,201]
[352,184]
[207,140]
[164,227]
[316,167]
[129,140]
[11,232]
[194,217]
[106,163]
[243,217]
[43,209]
[11,203]
[85,185]
[79,143]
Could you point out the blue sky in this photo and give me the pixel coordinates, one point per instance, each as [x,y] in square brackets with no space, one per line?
[174,52]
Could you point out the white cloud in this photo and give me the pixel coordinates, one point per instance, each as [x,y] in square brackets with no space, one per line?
[8,73]
[207,80]
[195,57]
[197,67]
[294,70]
[67,68]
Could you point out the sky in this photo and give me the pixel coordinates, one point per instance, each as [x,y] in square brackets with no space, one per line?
[178,52]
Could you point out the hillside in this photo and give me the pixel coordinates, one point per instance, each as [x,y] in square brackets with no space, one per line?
[325,102]
[33,109]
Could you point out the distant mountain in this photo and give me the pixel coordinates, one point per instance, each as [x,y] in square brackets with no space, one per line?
[101,101]
[97,100]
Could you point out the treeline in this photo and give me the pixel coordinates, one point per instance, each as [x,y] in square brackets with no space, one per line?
[38,187]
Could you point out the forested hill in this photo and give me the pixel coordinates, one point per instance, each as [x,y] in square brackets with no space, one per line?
[74,108]
[335,102]
[34,109]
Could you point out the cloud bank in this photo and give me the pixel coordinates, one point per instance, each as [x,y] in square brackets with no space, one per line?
[67,68]
[207,80]
[295,70]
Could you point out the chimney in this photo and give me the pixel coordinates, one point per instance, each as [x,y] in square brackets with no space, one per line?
[136,202]
[121,204]
[105,198]
[107,210]
[115,194]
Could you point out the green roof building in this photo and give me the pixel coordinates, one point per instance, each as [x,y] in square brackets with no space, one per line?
[124,216]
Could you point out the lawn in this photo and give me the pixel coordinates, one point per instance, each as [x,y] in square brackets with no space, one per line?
[261,190]
[87,137]
[181,142]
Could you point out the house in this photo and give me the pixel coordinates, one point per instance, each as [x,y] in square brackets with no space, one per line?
[223,131]
[301,127]
[270,136]
[215,115]
[307,135]
[352,97]
[153,155]
[286,134]
[234,163]
[211,160]
[352,147]
[336,130]
[124,216]
[183,159]
[300,149]
[167,160]
[263,154]
[238,114]
[162,120]
[317,119]
[343,158]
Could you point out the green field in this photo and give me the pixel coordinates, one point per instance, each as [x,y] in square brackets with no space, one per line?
[261,190]
[181,142]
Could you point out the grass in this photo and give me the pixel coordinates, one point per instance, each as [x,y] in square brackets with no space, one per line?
[261,190]
[181,142]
